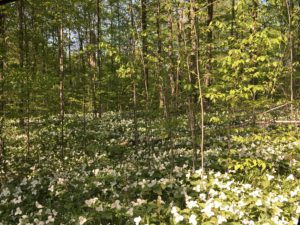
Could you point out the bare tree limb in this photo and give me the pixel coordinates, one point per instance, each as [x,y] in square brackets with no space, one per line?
[277,107]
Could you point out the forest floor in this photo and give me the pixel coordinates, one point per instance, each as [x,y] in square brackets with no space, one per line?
[252,175]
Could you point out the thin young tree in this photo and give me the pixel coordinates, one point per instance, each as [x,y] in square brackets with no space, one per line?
[208,66]
[2,92]
[61,85]
[289,9]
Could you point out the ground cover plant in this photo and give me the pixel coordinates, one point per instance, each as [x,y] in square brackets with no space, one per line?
[250,178]
[149,112]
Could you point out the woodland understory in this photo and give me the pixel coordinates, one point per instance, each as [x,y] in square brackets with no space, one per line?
[149,112]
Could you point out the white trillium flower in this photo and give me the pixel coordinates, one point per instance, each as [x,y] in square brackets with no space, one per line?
[137,220]
[99,208]
[130,212]
[192,219]
[212,192]
[96,172]
[51,188]
[174,210]
[5,192]
[241,203]
[91,202]
[255,193]
[178,218]
[17,200]
[50,219]
[202,196]
[247,186]
[207,210]
[250,222]
[270,177]
[82,220]
[290,177]
[38,205]
[223,196]
[197,188]
[259,202]
[18,211]
[241,214]
[293,193]
[116,205]
[217,204]
[221,219]
[192,204]
[298,209]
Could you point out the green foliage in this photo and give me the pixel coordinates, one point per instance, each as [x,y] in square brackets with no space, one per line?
[106,180]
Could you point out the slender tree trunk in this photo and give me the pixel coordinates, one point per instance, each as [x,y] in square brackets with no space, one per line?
[2,100]
[28,86]
[99,55]
[208,66]
[190,64]
[21,59]
[84,114]
[192,76]
[93,65]
[232,17]
[144,25]
[118,34]
[61,85]
[171,57]
[291,54]
[196,53]
[179,59]
[162,97]
[133,76]
[144,42]
[70,52]
[83,82]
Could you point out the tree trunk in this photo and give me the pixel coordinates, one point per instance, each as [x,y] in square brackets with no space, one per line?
[99,54]
[93,65]
[133,77]
[2,100]
[291,54]
[21,60]
[171,68]
[144,25]
[61,85]
[232,17]
[200,98]
[161,82]
[208,66]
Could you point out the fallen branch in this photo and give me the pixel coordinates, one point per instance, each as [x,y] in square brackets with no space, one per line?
[280,122]
[277,107]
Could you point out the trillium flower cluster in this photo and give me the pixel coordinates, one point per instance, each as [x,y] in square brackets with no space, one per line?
[113,181]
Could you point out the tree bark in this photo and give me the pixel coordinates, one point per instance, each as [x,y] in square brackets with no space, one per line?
[21,60]
[99,55]
[291,53]
[144,25]
[133,77]
[2,100]
[161,82]
[61,86]
[208,66]
[232,17]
